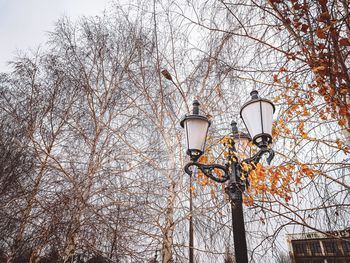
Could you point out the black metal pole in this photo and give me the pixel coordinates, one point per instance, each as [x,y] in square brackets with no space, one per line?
[235,190]
[239,231]
[190,247]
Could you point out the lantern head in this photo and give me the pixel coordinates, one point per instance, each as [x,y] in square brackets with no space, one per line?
[257,115]
[196,128]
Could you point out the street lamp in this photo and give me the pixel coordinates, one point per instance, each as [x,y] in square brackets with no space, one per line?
[257,115]
[196,128]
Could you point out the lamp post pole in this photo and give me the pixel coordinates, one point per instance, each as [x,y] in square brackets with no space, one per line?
[239,239]
[190,247]
[235,190]
[257,116]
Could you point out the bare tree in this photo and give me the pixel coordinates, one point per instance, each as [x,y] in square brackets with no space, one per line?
[93,151]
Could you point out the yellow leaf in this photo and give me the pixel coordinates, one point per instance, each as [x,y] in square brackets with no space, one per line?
[205,181]
[304,135]
[192,188]
[319,68]
[342,122]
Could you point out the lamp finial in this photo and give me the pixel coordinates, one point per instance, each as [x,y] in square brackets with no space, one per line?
[234,127]
[195,107]
[254,94]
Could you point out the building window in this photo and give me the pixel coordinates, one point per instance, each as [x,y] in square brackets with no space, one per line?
[330,247]
[315,248]
[300,248]
[346,246]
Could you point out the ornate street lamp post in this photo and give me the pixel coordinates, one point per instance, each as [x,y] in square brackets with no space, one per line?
[257,115]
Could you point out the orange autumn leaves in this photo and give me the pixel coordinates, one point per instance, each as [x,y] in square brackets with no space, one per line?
[324,45]
[301,107]
[275,181]
[207,158]
[278,182]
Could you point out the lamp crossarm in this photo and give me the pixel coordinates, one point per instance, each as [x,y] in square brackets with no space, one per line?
[257,157]
[208,170]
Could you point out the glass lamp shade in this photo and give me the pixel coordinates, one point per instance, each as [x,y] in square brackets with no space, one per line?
[257,115]
[242,145]
[196,129]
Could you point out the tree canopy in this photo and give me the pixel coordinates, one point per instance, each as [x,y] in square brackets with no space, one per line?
[93,154]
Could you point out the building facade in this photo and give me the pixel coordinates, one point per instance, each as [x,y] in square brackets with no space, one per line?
[314,247]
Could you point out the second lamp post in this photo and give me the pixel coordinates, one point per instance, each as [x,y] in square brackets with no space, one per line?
[257,115]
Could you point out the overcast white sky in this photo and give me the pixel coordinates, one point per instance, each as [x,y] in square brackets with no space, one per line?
[24,23]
